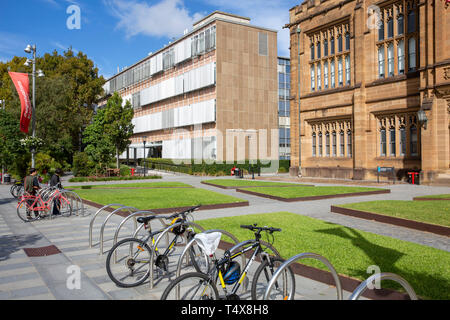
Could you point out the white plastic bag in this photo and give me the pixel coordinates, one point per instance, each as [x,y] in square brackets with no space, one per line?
[208,242]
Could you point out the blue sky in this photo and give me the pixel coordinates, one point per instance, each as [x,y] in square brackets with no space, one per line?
[118,33]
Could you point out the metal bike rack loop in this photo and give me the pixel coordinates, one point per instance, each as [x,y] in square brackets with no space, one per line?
[78,200]
[305,255]
[152,258]
[383,276]
[136,229]
[91,224]
[102,229]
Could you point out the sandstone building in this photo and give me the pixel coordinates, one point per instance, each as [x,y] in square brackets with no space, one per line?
[374,88]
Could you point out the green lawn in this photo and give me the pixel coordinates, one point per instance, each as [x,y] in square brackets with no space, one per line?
[144,199]
[435,212]
[298,192]
[349,250]
[245,183]
[133,185]
[437,196]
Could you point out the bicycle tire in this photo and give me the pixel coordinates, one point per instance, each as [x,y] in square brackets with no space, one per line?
[25,213]
[194,279]
[259,284]
[110,265]
[198,258]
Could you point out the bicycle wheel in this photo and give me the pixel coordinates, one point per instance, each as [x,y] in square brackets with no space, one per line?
[198,258]
[26,212]
[62,205]
[133,257]
[284,288]
[191,286]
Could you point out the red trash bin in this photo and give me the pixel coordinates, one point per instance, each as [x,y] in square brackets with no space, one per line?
[132,171]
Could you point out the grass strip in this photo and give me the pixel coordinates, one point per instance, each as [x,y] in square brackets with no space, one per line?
[144,199]
[350,251]
[434,212]
[299,192]
[245,183]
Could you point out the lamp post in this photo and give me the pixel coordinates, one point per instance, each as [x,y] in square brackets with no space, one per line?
[298,98]
[145,162]
[32,49]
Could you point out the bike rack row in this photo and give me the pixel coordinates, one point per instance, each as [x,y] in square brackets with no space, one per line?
[133,213]
[356,293]
[76,203]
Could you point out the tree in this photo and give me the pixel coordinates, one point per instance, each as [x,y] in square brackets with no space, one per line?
[11,149]
[65,98]
[99,147]
[118,126]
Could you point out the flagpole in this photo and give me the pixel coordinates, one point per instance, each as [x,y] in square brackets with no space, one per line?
[33,116]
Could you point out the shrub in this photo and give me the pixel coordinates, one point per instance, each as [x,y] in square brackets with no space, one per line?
[82,165]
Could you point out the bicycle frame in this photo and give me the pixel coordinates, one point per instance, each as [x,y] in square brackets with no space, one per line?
[254,244]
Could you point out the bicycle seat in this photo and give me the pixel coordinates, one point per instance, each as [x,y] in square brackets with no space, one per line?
[145,220]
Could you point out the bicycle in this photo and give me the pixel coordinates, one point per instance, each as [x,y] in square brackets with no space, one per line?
[203,286]
[41,207]
[17,189]
[133,255]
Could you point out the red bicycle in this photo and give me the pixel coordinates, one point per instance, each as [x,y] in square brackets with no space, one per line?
[31,208]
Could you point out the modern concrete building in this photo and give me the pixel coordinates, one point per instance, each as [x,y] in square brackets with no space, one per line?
[284,107]
[210,94]
[376,89]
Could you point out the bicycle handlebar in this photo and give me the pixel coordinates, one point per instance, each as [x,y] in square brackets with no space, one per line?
[185,212]
[259,229]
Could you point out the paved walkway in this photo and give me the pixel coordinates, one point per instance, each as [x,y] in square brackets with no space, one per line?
[24,277]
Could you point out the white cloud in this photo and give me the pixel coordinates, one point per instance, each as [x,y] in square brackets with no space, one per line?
[63,47]
[167,18]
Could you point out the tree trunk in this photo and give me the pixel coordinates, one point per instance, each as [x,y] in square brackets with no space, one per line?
[117,159]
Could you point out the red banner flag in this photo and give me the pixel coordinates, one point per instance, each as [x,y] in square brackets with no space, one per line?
[22,84]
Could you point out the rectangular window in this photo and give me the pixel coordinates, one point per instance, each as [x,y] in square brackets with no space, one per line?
[402,141]
[312,52]
[332,45]
[383,142]
[401,57]
[411,54]
[340,43]
[381,62]
[334,144]
[325,48]
[349,144]
[319,77]
[381,31]
[390,31]
[342,144]
[391,60]
[327,144]
[325,75]
[392,142]
[400,25]
[318,50]
[347,70]
[347,41]
[413,141]
[332,74]
[314,145]
[313,80]
[320,144]
[340,73]
[411,22]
